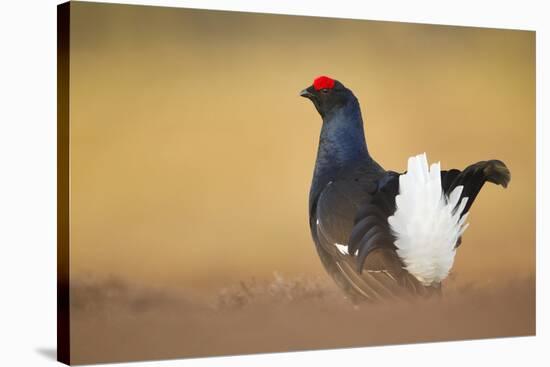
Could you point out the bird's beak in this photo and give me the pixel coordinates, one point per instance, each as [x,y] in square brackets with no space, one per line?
[306,94]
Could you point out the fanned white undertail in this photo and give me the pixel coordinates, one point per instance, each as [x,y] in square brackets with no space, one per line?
[427,223]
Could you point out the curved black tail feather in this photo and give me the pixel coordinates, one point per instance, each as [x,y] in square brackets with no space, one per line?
[473,177]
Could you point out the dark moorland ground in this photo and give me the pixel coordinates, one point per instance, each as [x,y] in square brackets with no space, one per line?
[113,320]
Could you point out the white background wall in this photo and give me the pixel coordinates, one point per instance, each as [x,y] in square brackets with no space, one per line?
[28,182]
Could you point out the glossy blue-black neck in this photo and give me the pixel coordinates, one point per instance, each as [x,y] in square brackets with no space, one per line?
[342,142]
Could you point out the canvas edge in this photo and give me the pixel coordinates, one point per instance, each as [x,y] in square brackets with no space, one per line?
[63,181]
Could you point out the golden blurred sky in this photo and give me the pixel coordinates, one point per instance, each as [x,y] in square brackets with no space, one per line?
[192,154]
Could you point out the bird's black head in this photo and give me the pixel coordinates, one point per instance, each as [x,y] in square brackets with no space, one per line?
[327,95]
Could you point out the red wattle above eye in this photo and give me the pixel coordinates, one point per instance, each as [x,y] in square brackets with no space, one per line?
[323,82]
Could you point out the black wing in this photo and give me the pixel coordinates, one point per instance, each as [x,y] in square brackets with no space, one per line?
[349,225]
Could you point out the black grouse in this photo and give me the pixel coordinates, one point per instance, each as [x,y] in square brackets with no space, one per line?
[382,234]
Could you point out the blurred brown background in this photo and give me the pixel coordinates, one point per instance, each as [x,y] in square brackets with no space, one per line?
[192,153]
[191,160]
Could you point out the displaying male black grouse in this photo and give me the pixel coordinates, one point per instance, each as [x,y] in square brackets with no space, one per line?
[383,234]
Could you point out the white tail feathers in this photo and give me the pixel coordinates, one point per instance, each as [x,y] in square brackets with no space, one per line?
[425,223]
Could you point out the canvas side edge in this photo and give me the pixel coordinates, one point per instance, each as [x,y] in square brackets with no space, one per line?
[63,179]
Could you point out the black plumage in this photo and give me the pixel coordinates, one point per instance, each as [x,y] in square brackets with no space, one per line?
[352,196]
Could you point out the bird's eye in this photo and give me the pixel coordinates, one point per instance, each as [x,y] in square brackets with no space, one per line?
[324,90]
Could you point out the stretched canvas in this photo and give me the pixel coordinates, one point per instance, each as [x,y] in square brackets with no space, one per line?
[234,183]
